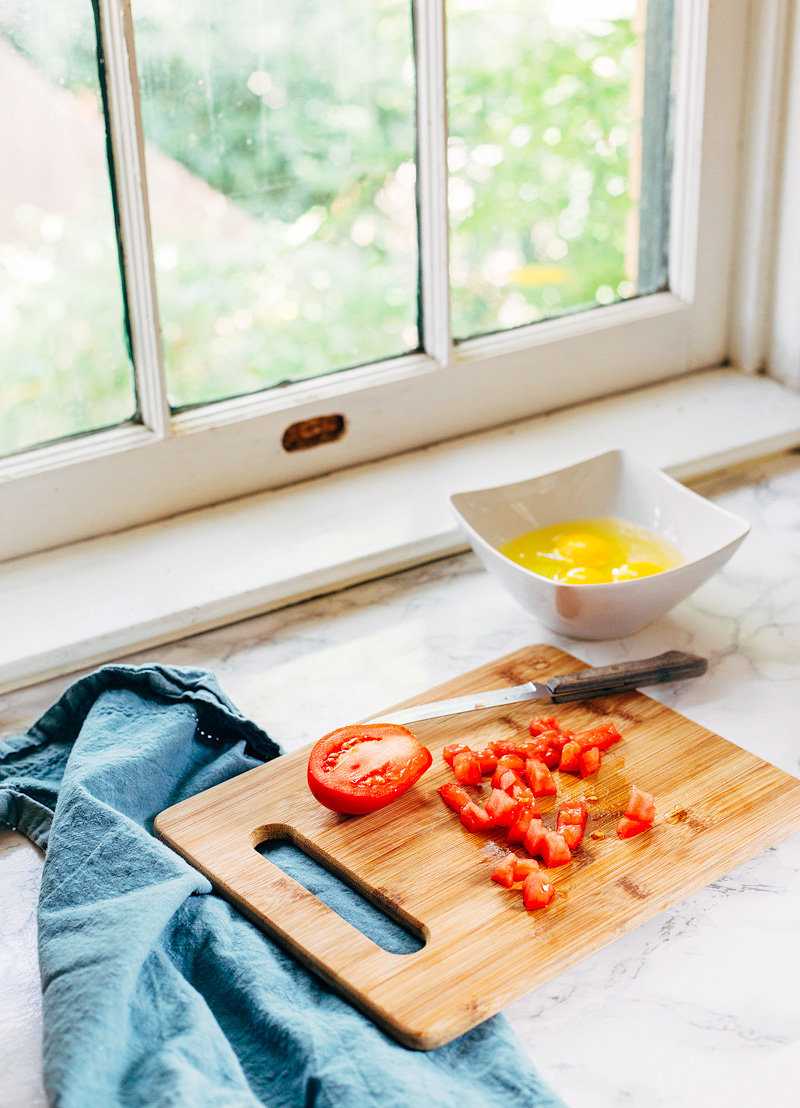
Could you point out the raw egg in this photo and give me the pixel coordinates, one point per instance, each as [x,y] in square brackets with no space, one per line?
[593,551]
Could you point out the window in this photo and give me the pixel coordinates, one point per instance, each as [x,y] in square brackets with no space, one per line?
[338,210]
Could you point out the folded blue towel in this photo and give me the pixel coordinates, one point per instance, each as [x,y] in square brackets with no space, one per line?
[157,993]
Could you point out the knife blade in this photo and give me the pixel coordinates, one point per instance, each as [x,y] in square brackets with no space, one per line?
[583,684]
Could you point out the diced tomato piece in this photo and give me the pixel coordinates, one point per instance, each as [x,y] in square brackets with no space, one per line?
[535,836]
[543,723]
[505,763]
[627,828]
[554,850]
[574,812]
[540,778]
[641,806]
[508,779]
[454,796]
[506,873]
[521,792]
[467,768]
[501,747]
[524,866]
[488,761]
[452,749]
[569,757]
[589,761]
[572,836]
[537,892]
[475,818]
[522,821]
[603,736]
[501,807]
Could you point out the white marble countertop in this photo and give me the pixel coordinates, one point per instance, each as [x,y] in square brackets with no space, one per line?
[698,1007]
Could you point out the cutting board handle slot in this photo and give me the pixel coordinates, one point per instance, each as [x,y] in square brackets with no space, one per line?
[369,910]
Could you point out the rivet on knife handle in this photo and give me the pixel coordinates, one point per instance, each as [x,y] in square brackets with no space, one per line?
[671,666]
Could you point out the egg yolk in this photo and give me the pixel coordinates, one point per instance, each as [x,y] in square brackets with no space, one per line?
[583,549]
[592,551]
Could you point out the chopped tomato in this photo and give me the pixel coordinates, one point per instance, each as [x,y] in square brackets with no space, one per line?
[501,807]
[554,850]
[488,761]
[454,796]
[627,828]
[603,736]
[571,822]
[537,892]
[641,806]
[506,873]
[521,792]
[519,828]
[508,779]
[501,747]
[524,866]
[467,768]
[589,761]
[452,749]
[569,757]
[534,836]
[540,778]
[507,762]
[544,723]
[364,767]
[475,818]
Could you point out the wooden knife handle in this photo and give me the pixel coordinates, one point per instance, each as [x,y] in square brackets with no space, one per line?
[585,683]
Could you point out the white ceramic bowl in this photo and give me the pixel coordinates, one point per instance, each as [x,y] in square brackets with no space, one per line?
[611,484]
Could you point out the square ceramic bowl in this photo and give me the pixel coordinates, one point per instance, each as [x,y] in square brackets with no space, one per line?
[611,484]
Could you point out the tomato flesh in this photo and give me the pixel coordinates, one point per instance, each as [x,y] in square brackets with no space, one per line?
[589,761]
[522,821]
[641,806]
[501,807]
[467,768]
[537,892]
[454,796]
[540,778]
[505,874]
[359,769]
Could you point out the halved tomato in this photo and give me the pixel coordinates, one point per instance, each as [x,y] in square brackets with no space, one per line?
[364,767]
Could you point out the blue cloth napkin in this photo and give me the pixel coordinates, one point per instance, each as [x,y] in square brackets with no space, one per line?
[157,993]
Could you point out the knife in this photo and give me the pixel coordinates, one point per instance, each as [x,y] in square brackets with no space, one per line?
[583,684]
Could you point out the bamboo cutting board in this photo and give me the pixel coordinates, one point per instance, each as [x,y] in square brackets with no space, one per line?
[717,806]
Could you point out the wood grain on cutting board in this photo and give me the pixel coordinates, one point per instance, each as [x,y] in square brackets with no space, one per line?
[717,805]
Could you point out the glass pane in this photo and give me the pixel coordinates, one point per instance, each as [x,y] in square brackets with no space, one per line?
[65,367]
[546,189]
[280,163]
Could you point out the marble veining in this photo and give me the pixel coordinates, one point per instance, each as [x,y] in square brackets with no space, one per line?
[694,1008]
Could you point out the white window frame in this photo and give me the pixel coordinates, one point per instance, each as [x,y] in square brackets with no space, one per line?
[171,463]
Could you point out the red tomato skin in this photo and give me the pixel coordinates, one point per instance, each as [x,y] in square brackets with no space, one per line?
[537,892]
[641,806]
[467,768]
[505,874]
[602,736]
[589,761]
[406,762]
[540,779]
[521,792]
[488,761]
[519,828]
[569,757]
[571,822]
[452,749]
[501,808]
[543,723]
[474,818]
[627,828]
[454,796]
[554,850]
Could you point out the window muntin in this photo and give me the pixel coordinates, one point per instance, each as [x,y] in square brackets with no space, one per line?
[65,367]
[280,164]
